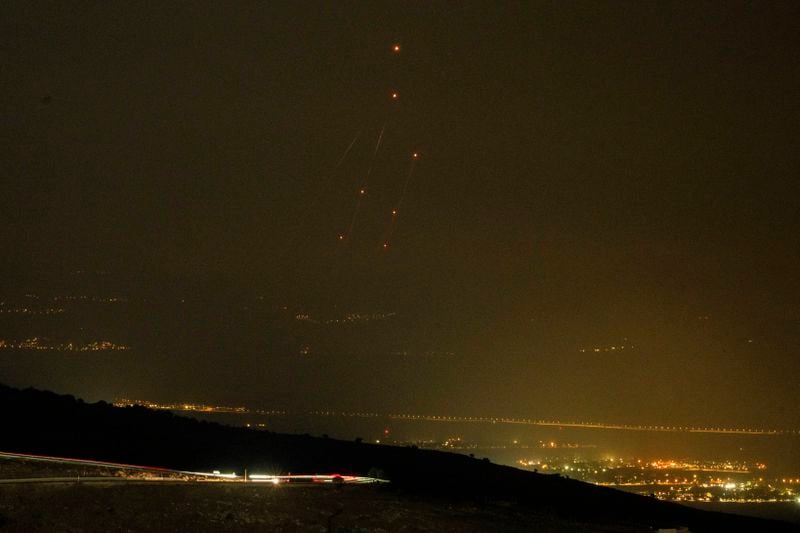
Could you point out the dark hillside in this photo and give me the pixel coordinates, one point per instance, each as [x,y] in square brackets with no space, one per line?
[45,423]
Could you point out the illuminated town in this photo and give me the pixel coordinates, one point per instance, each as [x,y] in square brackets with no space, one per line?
[348,318]
[30,310]
[77,298]
[597,349]
[37,343]
[194,407]
[678,480]
[85,298]
[427,353]
[683,480]
[21,306]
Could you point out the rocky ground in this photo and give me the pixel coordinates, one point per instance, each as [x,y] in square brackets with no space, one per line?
[207,507]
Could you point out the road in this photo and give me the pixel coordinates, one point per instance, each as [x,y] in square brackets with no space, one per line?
[151,474]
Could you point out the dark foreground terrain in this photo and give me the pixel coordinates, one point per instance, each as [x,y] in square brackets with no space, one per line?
[429,490]
[238,507]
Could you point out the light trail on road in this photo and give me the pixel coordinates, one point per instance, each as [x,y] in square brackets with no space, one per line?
[186,476]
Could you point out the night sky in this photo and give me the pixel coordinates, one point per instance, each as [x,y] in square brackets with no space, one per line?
[591,174]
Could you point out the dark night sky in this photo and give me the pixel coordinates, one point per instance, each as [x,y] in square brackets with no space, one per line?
[590,172]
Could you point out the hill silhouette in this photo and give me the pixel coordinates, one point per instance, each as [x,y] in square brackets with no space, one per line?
[42,422]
